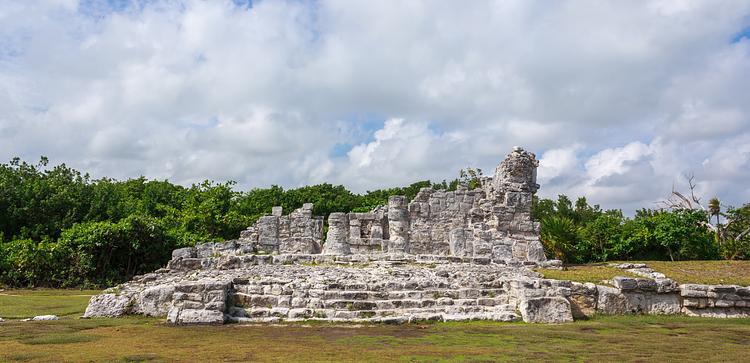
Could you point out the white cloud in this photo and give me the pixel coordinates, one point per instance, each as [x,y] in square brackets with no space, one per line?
[619,98]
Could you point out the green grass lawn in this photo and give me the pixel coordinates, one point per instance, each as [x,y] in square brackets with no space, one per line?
[19,304]
[622,338]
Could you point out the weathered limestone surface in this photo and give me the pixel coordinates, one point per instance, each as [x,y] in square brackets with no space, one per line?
[108,305]
[338,234]
[298,232]
[199,302]
[492,221]
[725,301]
[546,310]
[45,318]
[583,299]
[373,288]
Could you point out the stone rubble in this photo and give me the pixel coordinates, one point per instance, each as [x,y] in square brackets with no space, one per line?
[657,294]
[44,318]
[718,301]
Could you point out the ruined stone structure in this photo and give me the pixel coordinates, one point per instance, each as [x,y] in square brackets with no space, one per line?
[493,221]
[298,232]
[446,255]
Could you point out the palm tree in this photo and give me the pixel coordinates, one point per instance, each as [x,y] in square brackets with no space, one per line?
[558,236]
[714,209]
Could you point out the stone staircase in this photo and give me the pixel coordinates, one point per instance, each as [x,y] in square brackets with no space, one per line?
[345,288]
[395,302]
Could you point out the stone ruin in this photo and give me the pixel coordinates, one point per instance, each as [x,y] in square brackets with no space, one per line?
[446,255]
[493,221]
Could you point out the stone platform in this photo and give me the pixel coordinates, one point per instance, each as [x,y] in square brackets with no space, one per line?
[364,288]
[396,288]
[446,255]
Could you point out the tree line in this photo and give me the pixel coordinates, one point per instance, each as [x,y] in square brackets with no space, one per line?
[581,233]
[61,228]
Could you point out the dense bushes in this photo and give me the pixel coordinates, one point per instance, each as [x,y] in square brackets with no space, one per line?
[60,228]
[584,233]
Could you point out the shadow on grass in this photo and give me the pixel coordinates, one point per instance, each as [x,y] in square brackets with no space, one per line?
[148,357]
[21,357]
[58,338]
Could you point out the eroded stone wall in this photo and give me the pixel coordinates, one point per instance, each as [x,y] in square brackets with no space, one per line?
[492,221]
[298,232]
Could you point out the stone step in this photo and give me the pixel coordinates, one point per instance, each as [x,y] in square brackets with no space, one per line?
[374,295]
[288,287]
[307,313]
[270,301]
[392,316]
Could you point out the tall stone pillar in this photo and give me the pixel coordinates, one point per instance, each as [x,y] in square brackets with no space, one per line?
[398,224]
[514,184]
[517,173]
[337,239]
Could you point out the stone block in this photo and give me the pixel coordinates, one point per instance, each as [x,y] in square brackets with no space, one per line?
[723,303]
[583,299]
[546,310]
[108,305]
[612,301]
[646,284]
[726,289]
[178,315]
[625,283]
[535,251]
[187,252]
[663,304]
[189,304]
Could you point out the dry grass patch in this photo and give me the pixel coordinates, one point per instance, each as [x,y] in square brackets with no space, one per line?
[705,272]
[598,274]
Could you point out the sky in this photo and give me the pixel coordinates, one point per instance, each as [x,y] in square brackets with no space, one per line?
[620,100]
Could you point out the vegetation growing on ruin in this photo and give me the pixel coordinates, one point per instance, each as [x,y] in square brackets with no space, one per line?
[60,227]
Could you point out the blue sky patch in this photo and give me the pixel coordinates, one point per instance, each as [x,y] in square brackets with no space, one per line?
[340,150]
[744,33]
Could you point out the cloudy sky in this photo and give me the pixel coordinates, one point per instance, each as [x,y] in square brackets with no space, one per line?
[618,99]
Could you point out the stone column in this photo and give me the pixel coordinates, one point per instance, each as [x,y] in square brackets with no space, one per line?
[513,187]
[337,239]
[398,225]
[517,173]
[268,233]
[457,242]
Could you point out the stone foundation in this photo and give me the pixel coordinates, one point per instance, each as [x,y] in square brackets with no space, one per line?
[359,288]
